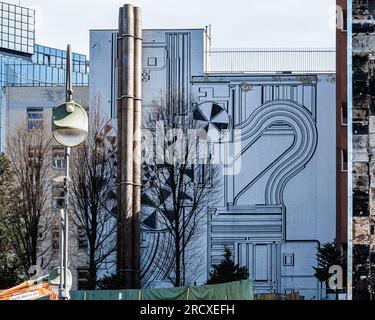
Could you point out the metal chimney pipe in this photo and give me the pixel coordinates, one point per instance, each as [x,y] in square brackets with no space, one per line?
[125,152]
[137,144]
[120,222]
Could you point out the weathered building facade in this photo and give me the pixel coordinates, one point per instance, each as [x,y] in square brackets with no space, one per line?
[29,107]
[25,63]
[363,147]
[32,81]
[280,205]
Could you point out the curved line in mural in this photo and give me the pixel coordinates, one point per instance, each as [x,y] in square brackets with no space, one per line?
[269,167]
[299,154]
[146,254]
[157,257]
[156,260]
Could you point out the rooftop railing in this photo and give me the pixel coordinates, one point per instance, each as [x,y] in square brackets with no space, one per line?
[273,60]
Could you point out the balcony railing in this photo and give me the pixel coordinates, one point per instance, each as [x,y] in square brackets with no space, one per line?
[295,60]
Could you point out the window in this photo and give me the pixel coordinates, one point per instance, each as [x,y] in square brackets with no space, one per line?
[288,259]
[34,118]
[83,276]
[58,196]
[344,161]
[58,62]
[58,158]
[34,154]
[46,59]
[344,20]
[40,58]
[342,17]
[55,237]
[21,21]
[152,62]
[344,114]
[82,238]
[52,61]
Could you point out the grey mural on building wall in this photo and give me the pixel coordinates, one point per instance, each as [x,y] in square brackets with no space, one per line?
[282,107]
[252,220]
[280,205]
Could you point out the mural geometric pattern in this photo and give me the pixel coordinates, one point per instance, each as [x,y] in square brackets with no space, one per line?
[212,119]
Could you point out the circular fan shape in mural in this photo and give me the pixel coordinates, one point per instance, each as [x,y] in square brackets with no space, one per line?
[150,202]
[157,197]
[157,241]
[212,120]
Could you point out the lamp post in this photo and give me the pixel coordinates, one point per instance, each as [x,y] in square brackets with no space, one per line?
[70,129]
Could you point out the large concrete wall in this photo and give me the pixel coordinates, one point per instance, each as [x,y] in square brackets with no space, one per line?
[274,233]
[163,50]
[103,77]
[263,220]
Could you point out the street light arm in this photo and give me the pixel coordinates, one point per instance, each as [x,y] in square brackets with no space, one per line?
[69,86]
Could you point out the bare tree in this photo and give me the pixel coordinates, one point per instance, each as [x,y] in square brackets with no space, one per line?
[180,181]
[9,266]
[93,195]
[28,218]
[6,179]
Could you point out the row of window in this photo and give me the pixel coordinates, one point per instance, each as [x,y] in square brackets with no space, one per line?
[25,24]
[20,37]
[24,29]
[18,73]
[23,47]
[59,53]
[59,62]
[49,70]
[18,15]
[17,29]
[11,8]
[82,241]
[82,272]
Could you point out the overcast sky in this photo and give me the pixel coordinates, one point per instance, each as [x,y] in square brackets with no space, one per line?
[235,23]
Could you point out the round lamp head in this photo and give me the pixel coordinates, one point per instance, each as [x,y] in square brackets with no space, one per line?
[70,124]
[54,280]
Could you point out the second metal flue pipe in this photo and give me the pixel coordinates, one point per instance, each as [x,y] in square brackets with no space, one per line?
[129,143]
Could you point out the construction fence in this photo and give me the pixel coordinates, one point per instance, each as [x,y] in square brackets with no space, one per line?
[241,290]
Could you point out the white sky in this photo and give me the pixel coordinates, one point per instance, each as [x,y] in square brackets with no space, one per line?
[235,23]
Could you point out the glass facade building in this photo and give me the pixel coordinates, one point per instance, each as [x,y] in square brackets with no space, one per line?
[24,63]
[17,28]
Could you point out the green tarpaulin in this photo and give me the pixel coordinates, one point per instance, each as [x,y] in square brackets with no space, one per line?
[241,290]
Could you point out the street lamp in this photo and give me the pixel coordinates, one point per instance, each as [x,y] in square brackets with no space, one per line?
[70,129]
[69,125]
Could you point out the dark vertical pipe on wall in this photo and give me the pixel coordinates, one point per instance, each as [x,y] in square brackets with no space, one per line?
[137,143]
